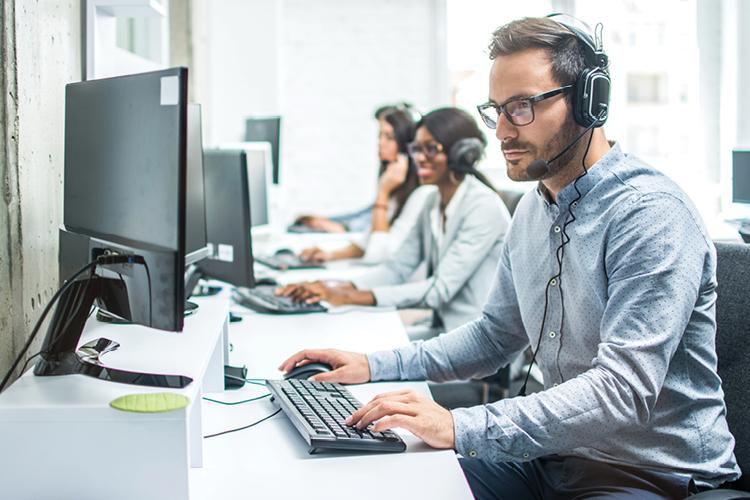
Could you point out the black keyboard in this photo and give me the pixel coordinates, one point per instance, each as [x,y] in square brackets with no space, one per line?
[262,299]
[318,411]
[283,262]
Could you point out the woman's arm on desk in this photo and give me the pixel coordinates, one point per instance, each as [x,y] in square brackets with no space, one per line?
[337,294]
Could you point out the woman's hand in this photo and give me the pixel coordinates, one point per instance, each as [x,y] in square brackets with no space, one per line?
[315,254]
[340,294]
[311,292]
[394,175]
[321,223]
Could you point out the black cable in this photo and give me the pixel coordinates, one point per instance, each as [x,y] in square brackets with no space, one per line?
[254,381]
[245,427]
[559,254]
[54,343]
[35,330]
[101,260]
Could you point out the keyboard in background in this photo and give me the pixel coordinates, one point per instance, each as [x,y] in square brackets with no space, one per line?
[318,411]
[262,299]
[302,229]
[283,262]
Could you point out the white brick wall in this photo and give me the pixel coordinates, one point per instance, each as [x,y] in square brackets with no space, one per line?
[334,62]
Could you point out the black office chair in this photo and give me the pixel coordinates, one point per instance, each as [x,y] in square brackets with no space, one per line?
[511,199]
[732,335]
[477,392]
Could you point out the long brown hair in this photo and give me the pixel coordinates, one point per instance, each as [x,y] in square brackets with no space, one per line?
[403,130]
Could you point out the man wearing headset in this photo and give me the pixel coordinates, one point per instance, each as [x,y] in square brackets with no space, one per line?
[608,273]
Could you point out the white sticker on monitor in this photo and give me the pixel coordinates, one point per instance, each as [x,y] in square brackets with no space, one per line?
[170,90]
[226,253]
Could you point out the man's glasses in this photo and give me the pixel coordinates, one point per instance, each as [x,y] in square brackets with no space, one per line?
[519,111]
[429,149]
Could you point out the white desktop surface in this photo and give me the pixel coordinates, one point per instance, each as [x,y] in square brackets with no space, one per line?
[271,459]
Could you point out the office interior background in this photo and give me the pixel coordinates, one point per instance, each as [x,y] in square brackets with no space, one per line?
[679,95]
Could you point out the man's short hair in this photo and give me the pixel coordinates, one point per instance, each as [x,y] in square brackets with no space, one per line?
[562,46]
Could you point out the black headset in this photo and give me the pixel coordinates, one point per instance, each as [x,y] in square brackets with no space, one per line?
[591,90]
[464,154]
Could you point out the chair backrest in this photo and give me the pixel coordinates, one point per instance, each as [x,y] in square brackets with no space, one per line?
[511,199]
[732,349]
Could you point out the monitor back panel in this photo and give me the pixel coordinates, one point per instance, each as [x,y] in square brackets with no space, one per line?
[228,218]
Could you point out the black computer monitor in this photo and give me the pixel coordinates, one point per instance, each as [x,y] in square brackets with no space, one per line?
[195,203]
[741,176]
[132,187]
[266,128]
[228,218]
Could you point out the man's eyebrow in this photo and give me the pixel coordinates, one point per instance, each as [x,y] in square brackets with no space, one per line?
[516,96]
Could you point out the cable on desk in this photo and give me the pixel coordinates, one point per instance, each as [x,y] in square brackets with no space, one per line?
[232,403]
[254,381]
[245,427]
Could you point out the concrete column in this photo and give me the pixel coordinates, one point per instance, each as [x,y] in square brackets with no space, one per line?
[41,52]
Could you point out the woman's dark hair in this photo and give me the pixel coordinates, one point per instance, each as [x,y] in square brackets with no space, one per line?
[403,131]
[448,126]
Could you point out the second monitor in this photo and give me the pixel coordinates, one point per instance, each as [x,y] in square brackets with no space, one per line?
[229,210]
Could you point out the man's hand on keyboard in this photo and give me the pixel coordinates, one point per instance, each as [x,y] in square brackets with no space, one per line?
[409,410]
[348,367]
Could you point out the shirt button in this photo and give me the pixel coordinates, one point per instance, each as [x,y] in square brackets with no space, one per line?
[525,455]
[574,204]
[553,282]
[555,384]
[557,229]
[473,453]
[552,335]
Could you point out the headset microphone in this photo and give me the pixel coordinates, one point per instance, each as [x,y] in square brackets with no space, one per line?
[540,167]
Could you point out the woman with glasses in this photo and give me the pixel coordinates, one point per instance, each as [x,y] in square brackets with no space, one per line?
[458,233]
[388,220]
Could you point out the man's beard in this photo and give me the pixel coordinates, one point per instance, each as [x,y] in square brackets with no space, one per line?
[568,132]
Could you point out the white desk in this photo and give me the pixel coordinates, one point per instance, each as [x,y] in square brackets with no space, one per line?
[271,460]
[59,439]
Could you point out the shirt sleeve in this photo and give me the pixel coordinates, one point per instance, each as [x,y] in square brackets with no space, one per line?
[399,267]
[383,244]
[656,257]
[478,348]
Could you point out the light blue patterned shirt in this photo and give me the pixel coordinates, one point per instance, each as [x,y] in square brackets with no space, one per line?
[630,367]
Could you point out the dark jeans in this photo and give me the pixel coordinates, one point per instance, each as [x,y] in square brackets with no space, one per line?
[556,477]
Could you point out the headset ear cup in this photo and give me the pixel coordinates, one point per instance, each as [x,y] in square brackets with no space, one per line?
[591,97]
[464,154]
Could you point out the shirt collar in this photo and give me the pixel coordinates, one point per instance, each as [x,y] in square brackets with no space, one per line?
[595,173]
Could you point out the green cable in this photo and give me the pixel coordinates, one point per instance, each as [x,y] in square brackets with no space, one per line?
[227,403]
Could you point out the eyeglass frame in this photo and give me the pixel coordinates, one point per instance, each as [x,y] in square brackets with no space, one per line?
[411,145]
[500,108]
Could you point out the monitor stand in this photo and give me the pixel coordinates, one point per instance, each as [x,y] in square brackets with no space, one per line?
[59,355]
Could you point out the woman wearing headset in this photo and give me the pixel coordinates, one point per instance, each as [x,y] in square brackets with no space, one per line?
[398,200]
[397,179]
[458,233]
